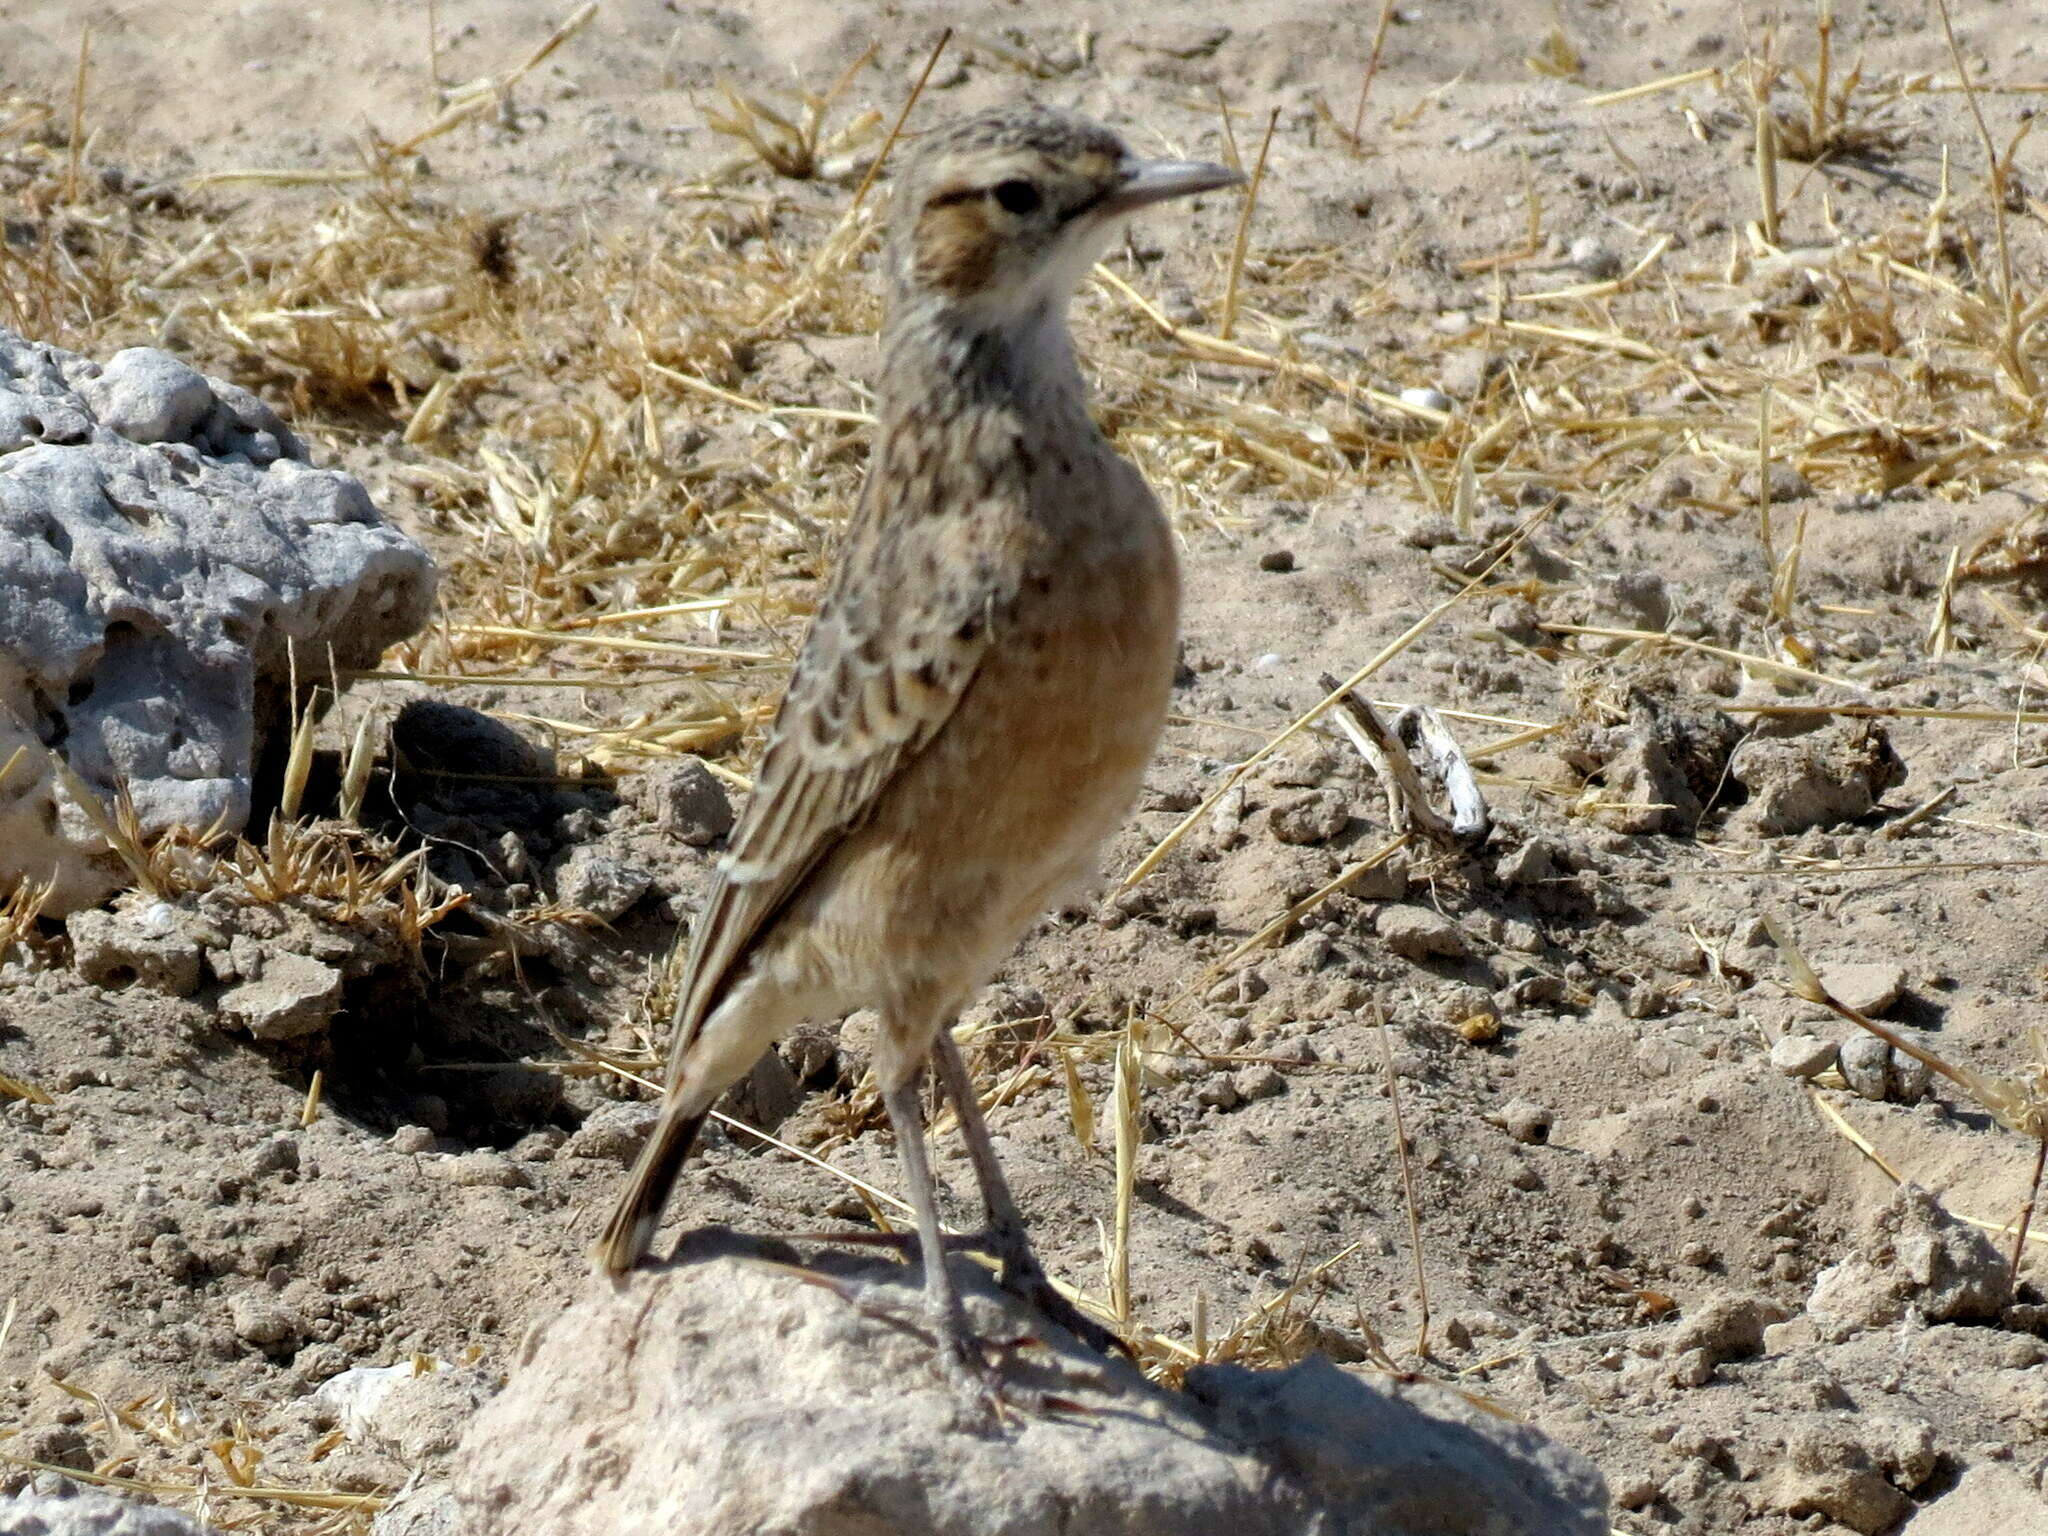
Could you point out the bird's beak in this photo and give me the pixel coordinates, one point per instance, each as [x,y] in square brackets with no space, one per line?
[1155,181]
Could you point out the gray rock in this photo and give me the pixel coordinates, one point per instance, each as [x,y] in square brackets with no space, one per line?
[165,547]
[1803,1055]
[1866,1065]
[74,1511]
[294,996]
[685,800]
[722,1396]
[119,949]
[149,396]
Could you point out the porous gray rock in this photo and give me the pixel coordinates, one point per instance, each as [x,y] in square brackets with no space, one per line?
[723,1395]
[143,944]
[165,549]
[74,1511]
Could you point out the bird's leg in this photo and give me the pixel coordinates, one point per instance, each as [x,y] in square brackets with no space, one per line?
[960,1352]
[1022,1274]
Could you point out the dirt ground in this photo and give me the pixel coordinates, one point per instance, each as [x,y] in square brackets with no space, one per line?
[585,347]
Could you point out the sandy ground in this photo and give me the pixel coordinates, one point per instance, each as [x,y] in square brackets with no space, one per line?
[1580,1014]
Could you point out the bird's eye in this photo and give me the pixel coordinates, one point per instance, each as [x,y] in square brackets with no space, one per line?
[1017,197]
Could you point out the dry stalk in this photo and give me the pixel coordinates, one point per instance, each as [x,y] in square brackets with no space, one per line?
[1407,1187]
[1372,68]
[1228,323]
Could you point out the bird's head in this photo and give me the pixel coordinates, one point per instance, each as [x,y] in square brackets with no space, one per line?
[997,218]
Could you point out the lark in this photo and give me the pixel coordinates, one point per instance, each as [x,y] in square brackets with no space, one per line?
[980,691]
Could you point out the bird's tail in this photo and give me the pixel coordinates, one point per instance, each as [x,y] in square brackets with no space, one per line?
[627,1234]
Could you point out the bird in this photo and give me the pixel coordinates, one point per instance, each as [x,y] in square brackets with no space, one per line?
[978,695]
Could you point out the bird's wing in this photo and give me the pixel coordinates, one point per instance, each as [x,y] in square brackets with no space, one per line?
[913,609]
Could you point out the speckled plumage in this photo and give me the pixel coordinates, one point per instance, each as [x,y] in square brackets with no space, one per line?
[986,677]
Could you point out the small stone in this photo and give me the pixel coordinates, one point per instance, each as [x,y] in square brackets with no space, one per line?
[1865,1062]
[1279,561]
[295,996]
[1868,988]
[1311,816]
[1259,1082]
[1535,860]
[1418,933]
[1426,399]
[317,1362]
[1525,1120]
[262,1319]
[148,396]
[600,883]
[280,1154]
[1635,1491]
[1218,1091]
[412,1140]
[614,1132]
[1593,257]
[1728,1327]
[1804,1056]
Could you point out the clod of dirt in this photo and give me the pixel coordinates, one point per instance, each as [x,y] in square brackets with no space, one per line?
[613,1132]
[596,881]
[1869,987]
[1661,767]
[1913,1256]
[1727,1327]
[68,1510]
[726,1395]
[685,800]
[1827,1470]
[1834,774]
[294,996]
[169,550]
[1417,933]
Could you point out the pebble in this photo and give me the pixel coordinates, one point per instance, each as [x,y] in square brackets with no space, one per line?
[1870,988]
[1865,1063]
[1525,1120]
[1426,399]
[1804,1056]
[1259,1082]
